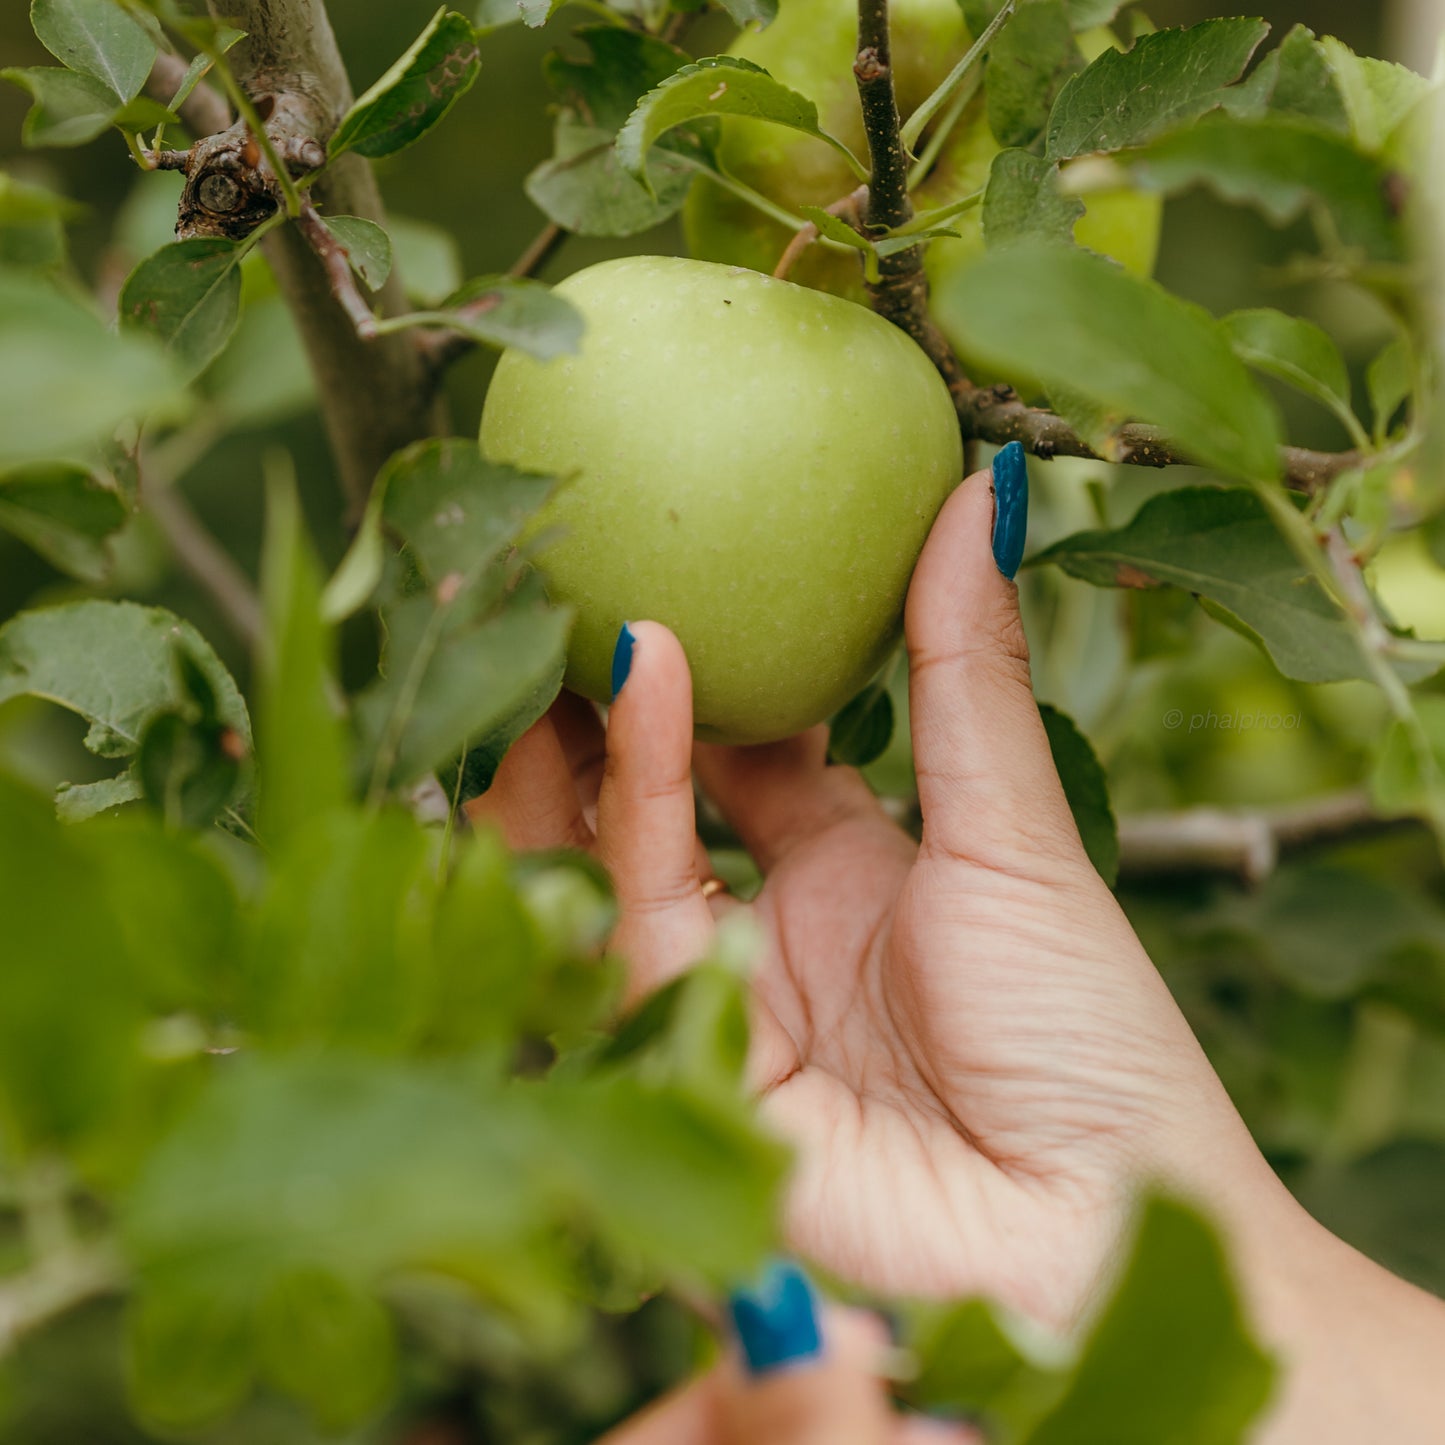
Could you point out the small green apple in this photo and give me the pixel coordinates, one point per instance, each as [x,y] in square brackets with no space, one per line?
[751,462]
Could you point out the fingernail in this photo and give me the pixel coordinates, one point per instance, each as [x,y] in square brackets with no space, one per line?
[1010,508]
[622,658]
[777,1319]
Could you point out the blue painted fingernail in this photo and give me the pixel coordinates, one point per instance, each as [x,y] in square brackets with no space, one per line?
[1010,508]
[622,658]
[777,1319]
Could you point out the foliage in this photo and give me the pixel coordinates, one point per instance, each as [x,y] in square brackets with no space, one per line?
[318,1116]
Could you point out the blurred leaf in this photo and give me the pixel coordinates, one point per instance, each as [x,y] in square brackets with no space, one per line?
[1282,168]
[1086,790]
[621,66]
[1305,86]
[328,1344]
[113,663]
[1390,381]
[65,513]
[1297,352]
[75,802]
[189,1364]
[1403,782]
[187,770]
[69,109]
[367,247]
[1023,201]
[861,731]
[1220,544]
[1077,321]
[1096,423]
[1166,80]
[759,13]
[1378,94]
[1172,1343]
[188,295]
[718,85]
[69,1006]
[304,770]
[98,39]
[339,950]
[1086,14]
[416,93]
[479,766]
[430,260]
[32,224]
[502,311]
[1031,57]
[262,376]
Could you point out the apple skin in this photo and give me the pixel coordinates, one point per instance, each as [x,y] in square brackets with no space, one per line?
[751,462]
[810,47]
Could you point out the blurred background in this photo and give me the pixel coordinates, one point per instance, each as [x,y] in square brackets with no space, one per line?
[1318,991]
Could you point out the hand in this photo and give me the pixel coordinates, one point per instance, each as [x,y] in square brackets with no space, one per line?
[964,1039]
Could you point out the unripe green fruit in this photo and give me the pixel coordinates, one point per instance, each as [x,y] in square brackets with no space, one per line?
[753,463]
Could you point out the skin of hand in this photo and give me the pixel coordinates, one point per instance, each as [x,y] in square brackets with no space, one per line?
[963,1038]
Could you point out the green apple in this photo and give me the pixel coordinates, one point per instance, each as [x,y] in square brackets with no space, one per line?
[810,47]
[751,462]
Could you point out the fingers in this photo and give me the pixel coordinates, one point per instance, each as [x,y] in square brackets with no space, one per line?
[777,796]
[533,799]
[646,827]
[986,777]
[692,1415]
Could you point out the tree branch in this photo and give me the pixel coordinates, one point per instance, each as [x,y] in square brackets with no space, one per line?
[1246,843]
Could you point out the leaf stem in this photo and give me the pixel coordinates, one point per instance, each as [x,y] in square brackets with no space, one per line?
[918,121]
[923,166]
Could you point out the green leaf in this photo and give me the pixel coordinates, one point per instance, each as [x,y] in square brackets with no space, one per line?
[77,802]
[501,311]
[1390,381]
[65,513]
[1406,779]
[1032,57]
[304,768]
[1167,79]
[367,247]
[98,39]
[1076,321]
[1087,791]
[479,766]
[416,93]
[113,663]
[1378,94]
[32,224]
[1305,85]
[602,89]
[201,64]
[1297,352]
[431,262]
[187,295]
[719,85]
[188,771]
[327,1344]
[1023,201]
[63,1067]
[1220,544]
[1172,1345]
[1086,14]
[1282,168]
[188,1364]
[860,733]
[69,109]
[757,13]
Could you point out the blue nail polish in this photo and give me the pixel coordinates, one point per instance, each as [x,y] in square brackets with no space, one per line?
[622,658]
[777,1319]
[1011,508]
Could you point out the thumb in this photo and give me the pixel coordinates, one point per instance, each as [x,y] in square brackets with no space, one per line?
[986,779]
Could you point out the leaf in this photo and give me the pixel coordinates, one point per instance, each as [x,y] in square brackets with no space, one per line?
[1297,352]
[1031,58]
[860,733]
[113,663]
[304,767]
[69,110]
[719,85]
[1305,85]
[1087,791]
[32,224]
[1076,321]
[757,13]
[65,513]
[1086,14]
[1173,1343]
[75,802]
[98,39]
[1390,381]
[479,766]
[1023,201]
[416,93]
[1378,94]
[1220,544]
[431,264]
[188,1364]
[1167,79]
[367,247]
[188,771]
[501,311]
[1282,168]
[602,89]
[187,295]
[1401,782]
[201,64]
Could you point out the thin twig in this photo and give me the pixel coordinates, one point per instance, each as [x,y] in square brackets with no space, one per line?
[338,269]
[543,246]
[1244,843]
[203,111]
